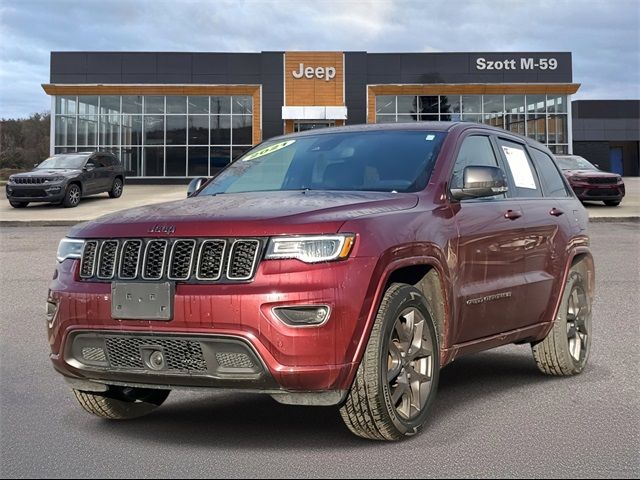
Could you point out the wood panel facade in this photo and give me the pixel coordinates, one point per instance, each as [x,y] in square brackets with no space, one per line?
[314,91]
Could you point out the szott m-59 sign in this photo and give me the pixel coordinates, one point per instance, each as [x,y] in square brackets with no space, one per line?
[523,63]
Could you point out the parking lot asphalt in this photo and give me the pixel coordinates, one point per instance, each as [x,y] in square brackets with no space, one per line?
[495,414]
[43,214]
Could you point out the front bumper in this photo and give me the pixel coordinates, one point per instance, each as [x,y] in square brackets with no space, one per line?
[44,192]
[587,191]
[219,317]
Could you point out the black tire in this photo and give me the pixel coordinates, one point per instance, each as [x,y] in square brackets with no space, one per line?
[18,204]
[121,403]
[116,188]
[612,203]
[72,196]
[369,410]
[565,350]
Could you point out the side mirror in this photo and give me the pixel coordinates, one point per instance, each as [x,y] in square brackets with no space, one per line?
[195,184]
[481,181]
[89,166]
[36,165]
[596,165]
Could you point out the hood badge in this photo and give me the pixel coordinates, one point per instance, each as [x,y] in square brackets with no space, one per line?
[168,229]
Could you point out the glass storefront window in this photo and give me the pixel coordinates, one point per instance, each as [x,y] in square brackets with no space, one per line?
[109,130]
[87,131]
[176,129]
[65,131]
[198,161]
[407,104]
[241,105]
[541,117]
[153,161]
[131,129]
[176,158]
[220,105]
[472,104]
[241,125]
[177,104]
[131,104]
[198,130]
[220,130]
[153,105]
[109,104]
[429,104]
[88,105]
[198,105]
[514,103]
[386,104]
[153,130]
[219,157]
[66,105]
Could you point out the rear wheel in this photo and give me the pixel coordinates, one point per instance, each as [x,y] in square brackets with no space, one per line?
[397,379]
[72,196]
[612,203]
[116,188]
[121,403]
[566,348]
[18,204]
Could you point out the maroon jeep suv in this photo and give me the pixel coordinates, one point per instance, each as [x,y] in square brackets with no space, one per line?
[342,266]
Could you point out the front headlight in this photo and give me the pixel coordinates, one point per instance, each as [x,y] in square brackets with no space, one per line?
[69,248]
[54,179]
[311,249]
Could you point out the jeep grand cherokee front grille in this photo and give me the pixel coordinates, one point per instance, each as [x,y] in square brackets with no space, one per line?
[182,259]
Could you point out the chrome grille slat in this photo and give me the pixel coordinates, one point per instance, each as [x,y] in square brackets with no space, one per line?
[154,259]
[210,259]
[130,259]
[107,259]
[242,259]
[88,264]
[180,259]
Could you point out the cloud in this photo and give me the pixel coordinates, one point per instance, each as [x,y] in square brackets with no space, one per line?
[602,34]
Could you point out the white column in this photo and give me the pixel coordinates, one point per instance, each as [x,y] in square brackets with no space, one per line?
[52,128]
[569,125]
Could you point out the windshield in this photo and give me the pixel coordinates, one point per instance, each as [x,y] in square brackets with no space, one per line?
[574,163]
[64,161]
[386,161]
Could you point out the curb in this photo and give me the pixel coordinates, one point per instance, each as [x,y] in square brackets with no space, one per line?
[70,223]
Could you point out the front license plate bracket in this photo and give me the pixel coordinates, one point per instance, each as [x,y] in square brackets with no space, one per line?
[142,301]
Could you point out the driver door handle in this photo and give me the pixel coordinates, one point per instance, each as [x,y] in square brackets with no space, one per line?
[513,214]
[556,212]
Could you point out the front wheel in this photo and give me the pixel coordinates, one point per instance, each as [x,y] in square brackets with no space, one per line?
[612,203]
[116,188]
[566,348]
[398,376]
[121,403]
[72,196]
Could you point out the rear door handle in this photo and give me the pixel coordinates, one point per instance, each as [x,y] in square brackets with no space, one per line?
[512,214]
[556,212]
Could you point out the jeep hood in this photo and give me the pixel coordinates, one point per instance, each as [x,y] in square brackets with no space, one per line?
[246,214]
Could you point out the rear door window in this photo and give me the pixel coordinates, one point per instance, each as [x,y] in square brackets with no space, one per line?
[551,178]
[520,168]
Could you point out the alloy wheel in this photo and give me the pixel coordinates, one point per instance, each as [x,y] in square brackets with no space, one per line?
[577,325]
[410,363]
[74,195]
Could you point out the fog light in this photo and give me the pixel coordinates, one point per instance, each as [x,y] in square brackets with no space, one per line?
[303,315]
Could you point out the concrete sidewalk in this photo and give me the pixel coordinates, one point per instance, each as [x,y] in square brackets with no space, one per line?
[43,214]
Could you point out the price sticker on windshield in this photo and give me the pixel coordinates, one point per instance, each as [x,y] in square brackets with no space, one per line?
[267,150]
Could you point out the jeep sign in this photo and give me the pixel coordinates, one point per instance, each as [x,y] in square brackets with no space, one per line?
[327,73]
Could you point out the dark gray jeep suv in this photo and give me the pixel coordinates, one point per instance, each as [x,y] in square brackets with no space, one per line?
[66,178]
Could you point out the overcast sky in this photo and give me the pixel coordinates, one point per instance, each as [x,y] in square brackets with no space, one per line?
[603,35]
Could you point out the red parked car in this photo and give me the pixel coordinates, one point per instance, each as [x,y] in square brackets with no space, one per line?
[340,266]
[591,183]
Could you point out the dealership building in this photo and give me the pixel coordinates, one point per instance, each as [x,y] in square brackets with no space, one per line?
[177,115]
